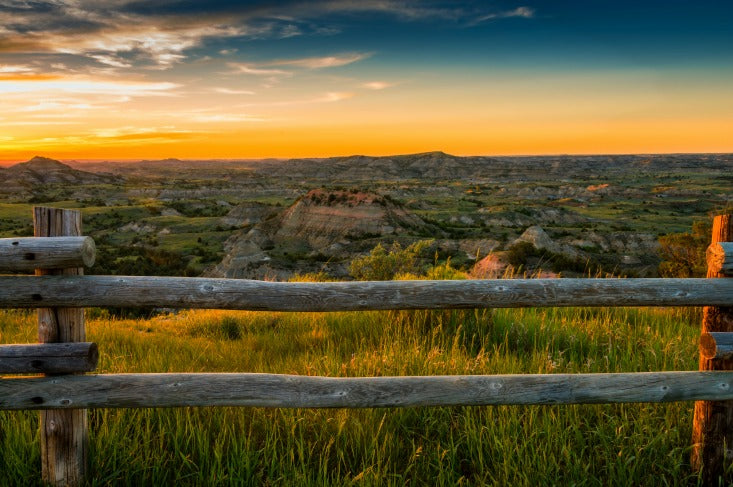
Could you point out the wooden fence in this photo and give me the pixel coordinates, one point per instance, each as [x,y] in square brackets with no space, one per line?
[60,291]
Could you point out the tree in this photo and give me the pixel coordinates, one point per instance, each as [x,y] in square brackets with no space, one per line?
[381,265]
[683,254]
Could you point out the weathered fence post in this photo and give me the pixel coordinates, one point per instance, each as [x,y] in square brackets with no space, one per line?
[712,435]
[63,433]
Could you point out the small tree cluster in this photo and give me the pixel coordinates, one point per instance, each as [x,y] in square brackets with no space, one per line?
[683,254]
[383,265]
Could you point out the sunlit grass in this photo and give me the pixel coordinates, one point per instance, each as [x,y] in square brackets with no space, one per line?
[622,444]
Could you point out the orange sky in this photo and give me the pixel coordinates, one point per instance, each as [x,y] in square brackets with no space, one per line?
[464,80]
[392,120]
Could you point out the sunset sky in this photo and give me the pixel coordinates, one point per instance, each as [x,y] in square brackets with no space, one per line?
[120,79]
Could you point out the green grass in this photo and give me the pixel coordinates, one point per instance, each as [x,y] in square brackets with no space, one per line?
[623,444]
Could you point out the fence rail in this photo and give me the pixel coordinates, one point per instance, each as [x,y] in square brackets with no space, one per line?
[295,391]
[192,292]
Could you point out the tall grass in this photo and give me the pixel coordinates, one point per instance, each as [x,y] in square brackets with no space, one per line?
[627,444]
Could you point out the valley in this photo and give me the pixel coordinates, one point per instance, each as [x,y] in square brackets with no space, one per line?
[274,219]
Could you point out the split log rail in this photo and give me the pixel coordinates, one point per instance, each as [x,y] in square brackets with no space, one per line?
[58,254]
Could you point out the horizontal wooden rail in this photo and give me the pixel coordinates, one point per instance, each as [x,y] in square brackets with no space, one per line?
[273,390]
[48,358]
[29,253]
[188,292]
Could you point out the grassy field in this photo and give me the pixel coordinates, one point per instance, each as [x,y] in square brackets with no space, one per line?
[629,444]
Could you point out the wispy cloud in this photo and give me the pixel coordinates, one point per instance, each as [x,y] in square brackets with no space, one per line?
[228,91]
[89,86]
[111,60]
[334,97]
[408,10]
[377,85]
[524,12]
[321,62]
[328,97]
[14,69]
[58,107]
[248,68]
[126,134]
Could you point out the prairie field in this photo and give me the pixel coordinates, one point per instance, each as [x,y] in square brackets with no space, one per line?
[623,444]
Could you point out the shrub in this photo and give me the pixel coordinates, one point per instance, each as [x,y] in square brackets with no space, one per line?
[683,254]
[319,276]
[381,265]
[518,253]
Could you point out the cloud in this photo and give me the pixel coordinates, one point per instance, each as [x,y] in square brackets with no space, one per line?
[247,68]
[523,12]
[421,10]
[272,73]
[333,97]
[127,134]
[124,34]
[228,91]
[15,69]
[88,87]
[329,97]
[105,32]
[407,10]
[110,60]
[321,62]
[56,108]
[137,45]
[377,85]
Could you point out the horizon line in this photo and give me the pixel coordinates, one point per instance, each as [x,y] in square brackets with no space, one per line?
[4,162]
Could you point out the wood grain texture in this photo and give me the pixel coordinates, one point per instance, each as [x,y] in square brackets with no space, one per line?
[720,258]
[292,391]
[716,345]
[48,358]
[30,253]
[190,292]
[64,434]
[712,429]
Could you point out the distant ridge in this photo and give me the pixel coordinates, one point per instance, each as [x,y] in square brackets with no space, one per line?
[44,170]
[434,165]
[38,163]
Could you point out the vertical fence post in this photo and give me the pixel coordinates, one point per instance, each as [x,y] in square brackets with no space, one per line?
[63,432]
[712,430]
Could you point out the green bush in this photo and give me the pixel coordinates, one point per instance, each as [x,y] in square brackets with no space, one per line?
[521,251]
[381,265]
[683,254]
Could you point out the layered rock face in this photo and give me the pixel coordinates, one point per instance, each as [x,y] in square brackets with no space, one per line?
[322,230]
[323,218]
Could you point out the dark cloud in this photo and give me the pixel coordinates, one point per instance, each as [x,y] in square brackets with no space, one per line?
[49,17]
[207,8]
[119,34]
[25,7]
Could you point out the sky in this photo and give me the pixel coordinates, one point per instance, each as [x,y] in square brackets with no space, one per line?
[151,79]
